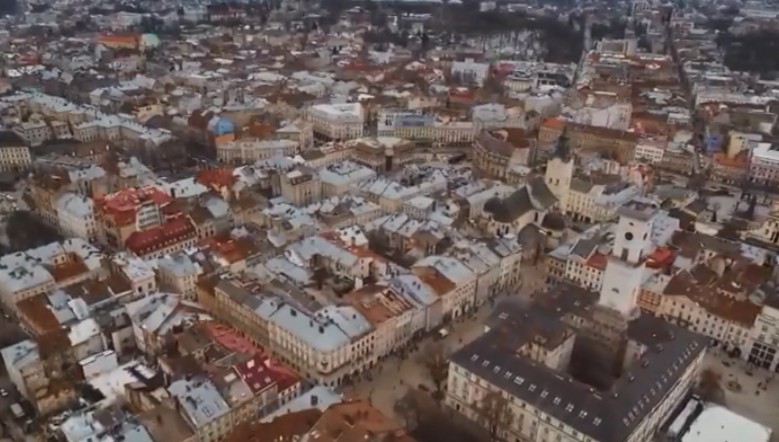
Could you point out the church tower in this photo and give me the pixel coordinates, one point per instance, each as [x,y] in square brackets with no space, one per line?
[559,171]
[625,268]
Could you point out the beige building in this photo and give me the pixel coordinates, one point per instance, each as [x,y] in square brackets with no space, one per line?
[34,132]
[596,197]
[178,274]
[382,154]
[452,281]
[14,153]
[301,186]
[503,153]
[245,150]
[713,299]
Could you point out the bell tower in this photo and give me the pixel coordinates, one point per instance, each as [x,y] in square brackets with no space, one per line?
[625,269]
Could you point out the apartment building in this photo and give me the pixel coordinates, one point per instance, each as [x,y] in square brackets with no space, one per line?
[390,314]
[390,195]
[452,281]
[762,342]
[326,344]
[712,298]
[204,408]
[586,262]
[155,317]
[76,216]
[327,154]
[650,152]
[504,154]
[30,365]
[424,128]
[14,152]
[340,178]
[595,198]
[143,221]
[43,269]
[127,211]
[524,358]
[178,274]
[332,122]
[301,186]
[764,164]
[34,132]
[329,345]
[245,150]
[382,154]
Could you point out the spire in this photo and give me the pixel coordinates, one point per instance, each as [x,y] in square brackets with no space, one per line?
[562,148]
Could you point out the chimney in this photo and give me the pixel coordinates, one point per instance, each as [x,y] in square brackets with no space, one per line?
[314,400]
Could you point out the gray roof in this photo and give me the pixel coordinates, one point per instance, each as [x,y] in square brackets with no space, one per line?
[199,399]
[542,197]
[602,415]
[584,247]
[509,209]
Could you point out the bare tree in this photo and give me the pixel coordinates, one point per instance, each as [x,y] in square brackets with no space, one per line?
[435,358]
[409,408]
[710,386]
[494,413]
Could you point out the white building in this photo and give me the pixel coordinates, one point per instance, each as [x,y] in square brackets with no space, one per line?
[764,165]
[76,216]
[337,121]
[625,268]
[471,70]
[649,152]
[249,150]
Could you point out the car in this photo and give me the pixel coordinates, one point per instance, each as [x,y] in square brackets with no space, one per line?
[3,392]
[423,387]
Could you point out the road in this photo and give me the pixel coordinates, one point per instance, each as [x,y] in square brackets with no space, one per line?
[395,376]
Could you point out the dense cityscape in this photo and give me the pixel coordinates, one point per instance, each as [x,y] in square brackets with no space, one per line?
[389,221]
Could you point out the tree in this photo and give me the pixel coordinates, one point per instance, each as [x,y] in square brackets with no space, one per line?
[494,413]
[409,408]
[710,386]
[435,359]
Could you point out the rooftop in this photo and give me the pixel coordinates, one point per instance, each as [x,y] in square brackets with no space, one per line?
[199,400]
[603,415]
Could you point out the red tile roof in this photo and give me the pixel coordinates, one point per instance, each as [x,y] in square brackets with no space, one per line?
[216,178]
[661,257]
[176,230]
[123,205]
[597,260]
[119,40]
[259,372]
